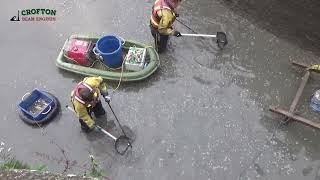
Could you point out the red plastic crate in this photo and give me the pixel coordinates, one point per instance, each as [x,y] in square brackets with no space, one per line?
[78,51]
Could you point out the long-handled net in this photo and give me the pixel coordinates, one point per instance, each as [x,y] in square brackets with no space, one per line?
[122,144]
[221,39]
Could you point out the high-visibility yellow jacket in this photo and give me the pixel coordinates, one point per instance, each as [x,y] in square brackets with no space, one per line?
[82,108]
[162,18]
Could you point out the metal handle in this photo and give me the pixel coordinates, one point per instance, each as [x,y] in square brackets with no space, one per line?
[122,40]
[97,53]
[106,132]
[47,111]
[94,51]
[25,95]
[100,128]
[199,35]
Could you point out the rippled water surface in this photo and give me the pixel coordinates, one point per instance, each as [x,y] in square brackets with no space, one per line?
[202,115]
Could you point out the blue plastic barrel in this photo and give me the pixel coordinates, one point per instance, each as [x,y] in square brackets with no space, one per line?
[109,48]
[315,101]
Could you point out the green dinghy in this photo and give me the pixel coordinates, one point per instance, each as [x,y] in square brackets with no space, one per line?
[97,68]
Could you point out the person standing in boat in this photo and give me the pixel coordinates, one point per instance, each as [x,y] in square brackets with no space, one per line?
[85,100]
[162,17]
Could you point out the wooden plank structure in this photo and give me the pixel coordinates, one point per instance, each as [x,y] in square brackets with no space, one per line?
[290,114]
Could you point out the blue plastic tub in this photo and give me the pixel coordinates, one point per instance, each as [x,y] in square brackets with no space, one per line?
[109,48]
[37,105]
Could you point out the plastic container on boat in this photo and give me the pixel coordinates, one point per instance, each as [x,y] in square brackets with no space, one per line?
[109,49]
[78,51]
[135,59]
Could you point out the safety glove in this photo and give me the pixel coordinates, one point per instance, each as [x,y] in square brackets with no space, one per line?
[314,67]
[177,33]
[96,128]
[104,93]
[107,98]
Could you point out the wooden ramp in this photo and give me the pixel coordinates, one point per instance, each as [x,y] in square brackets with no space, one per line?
[290,114]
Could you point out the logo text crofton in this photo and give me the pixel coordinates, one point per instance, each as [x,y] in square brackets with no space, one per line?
[50,12]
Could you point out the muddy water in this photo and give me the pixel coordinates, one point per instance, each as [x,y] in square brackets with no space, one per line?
[203,115]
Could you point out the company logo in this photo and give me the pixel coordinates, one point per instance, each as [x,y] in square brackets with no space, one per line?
[35,15]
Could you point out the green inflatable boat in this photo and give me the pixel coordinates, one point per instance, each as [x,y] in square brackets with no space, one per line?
[78,55]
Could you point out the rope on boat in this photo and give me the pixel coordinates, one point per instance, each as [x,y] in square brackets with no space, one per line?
[120,78]
[122,67]
[99,60]
[121,75]
[122,71]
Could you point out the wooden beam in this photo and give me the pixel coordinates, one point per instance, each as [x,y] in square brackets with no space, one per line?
[295,117]
[299,64]
[299,92]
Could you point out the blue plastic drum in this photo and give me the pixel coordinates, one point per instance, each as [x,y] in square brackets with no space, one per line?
[109,49]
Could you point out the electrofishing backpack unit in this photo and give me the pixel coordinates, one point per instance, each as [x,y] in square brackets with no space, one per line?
[79,52]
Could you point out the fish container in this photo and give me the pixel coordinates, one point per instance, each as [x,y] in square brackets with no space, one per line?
[109,49]
[37,105]
[135,59]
